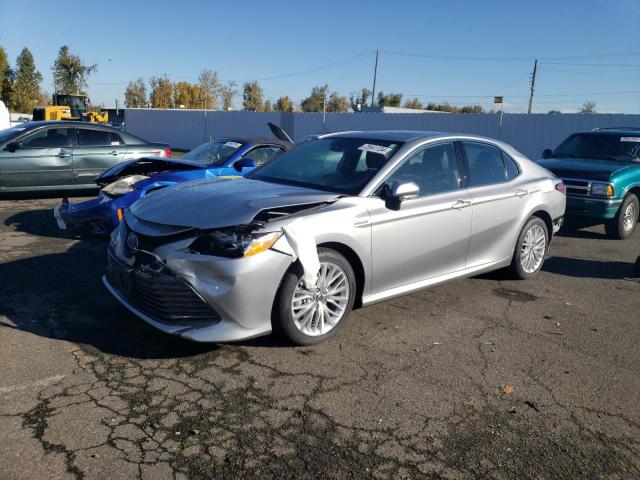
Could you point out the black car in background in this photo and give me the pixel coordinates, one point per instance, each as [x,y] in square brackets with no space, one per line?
[65,155]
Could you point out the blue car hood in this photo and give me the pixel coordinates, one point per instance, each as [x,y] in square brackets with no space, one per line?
[144,166]
[586,168]
[221,202]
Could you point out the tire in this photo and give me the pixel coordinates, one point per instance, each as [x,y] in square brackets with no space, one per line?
[533,232]
[624,224]
[305,330]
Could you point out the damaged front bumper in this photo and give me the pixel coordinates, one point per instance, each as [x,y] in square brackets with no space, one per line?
[98,216]
[200,297]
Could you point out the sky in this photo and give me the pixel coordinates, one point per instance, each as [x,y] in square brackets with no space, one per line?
[462,52]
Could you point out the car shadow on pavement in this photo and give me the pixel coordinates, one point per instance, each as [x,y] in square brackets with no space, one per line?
[41,223]
[61,296]
[588,268]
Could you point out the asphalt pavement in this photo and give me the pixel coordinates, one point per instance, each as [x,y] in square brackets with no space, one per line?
[481,378]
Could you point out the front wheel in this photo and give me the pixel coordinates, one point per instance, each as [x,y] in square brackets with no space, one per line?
[307,316]
[531,249]
[624,224]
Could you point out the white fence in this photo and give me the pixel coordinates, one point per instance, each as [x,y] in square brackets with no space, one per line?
[530,134]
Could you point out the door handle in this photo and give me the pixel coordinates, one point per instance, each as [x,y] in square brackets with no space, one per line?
[63,154]
[114,153]
[521,193]
[461,204]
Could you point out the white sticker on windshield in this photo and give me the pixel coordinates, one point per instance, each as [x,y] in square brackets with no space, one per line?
[630,139]
[233,144]
[368,147]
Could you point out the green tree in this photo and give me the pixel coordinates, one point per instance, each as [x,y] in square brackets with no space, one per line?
[267,106]
[161,92]
[252,97]
[471,109]
[26,85]
[135,95]
[337,103]
[315,101]
[554,112]
[360,100]
[182,94]
[389,100]
[283,104]
[211,88]
[228,92]
[441,107]
[414,103]
[69,73]
[588,107]
[6,77]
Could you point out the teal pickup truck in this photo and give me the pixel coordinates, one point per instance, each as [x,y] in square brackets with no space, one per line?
[601,171]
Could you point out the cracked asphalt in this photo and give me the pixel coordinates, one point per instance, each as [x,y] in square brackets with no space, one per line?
[481,378]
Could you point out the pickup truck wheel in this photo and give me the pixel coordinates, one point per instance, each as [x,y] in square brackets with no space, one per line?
[624,224]
[306,316]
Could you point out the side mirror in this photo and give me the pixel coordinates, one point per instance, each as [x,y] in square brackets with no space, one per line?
[13,146]
[404,191]
[244,163]
[546,153]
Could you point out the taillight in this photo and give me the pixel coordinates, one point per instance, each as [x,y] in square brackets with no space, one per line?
[561,187]
[167,152]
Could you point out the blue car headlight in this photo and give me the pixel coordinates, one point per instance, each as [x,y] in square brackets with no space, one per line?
[123,185]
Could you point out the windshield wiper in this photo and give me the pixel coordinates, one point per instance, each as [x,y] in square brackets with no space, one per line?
[564,155]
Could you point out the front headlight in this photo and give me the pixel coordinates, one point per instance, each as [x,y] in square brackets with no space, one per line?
[122,186]
[602,189]
[234,243]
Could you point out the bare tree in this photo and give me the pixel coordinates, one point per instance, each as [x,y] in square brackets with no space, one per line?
[588,107]
[227,93]
[211,88]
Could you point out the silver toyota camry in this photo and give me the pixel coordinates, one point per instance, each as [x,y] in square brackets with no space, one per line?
[341,221]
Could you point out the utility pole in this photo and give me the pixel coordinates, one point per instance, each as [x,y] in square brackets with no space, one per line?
[375,74]
[533,84]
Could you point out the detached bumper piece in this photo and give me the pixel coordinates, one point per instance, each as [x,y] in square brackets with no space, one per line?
[162,297]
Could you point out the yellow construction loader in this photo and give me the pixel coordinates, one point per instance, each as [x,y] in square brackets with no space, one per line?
[69,107]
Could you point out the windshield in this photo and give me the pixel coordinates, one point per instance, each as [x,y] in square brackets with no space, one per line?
[213,153]
[599,146]
[336,164]
[9,133]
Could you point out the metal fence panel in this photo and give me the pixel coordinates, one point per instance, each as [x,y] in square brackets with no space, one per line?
[530,134]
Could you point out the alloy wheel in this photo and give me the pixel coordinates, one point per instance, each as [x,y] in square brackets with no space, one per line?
[318,310]
[534,245]
[629,220]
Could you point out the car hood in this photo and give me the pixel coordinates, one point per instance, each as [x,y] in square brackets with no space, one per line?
[145,166]
[222,202]
[586,168]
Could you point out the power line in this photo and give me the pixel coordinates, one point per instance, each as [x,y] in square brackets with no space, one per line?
[338,63]
[585,94]
[594,64]
[434,56]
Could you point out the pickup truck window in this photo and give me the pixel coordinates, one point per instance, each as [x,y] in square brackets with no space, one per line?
[599,146]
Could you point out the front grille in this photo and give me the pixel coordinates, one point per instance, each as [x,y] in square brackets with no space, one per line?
[577,187]
[164,297]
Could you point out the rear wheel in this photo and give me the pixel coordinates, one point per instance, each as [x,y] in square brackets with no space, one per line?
[307,316]
[531,249]
[624,224]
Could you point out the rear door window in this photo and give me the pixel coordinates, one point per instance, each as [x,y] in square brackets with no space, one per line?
[49,138]
[94,138]
[486,166]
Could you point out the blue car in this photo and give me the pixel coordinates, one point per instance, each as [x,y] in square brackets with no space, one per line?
[129,181]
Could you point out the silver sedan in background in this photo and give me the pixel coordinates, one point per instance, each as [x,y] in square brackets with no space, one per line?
[375,214]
